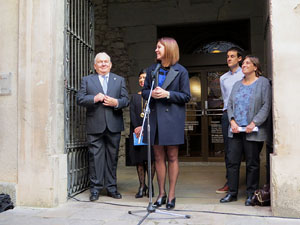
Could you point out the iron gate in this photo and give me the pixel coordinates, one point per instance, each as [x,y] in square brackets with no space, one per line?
[79,55]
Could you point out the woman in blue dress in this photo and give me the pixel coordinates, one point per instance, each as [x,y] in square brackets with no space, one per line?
[167,116]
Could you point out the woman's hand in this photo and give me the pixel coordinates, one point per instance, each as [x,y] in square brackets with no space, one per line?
[234,126]
[158,92]
[250,127]
[137,131]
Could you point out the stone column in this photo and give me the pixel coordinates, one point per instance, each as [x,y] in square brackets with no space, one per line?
[285,167]
[42,164]
[8,103]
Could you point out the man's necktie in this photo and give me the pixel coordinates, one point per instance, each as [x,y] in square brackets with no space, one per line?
[105,84]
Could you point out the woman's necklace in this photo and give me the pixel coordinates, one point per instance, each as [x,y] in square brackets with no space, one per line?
[142,114]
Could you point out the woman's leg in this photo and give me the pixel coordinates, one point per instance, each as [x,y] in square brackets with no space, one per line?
[252,152]
[141,174]
[152,175]
[160,166]
[173,169]
[152,170]
[235,152]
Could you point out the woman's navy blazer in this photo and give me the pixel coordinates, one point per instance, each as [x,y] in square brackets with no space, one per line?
[167,116]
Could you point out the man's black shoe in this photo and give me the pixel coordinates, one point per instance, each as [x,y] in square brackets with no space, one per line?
[228,198]
[94,196]
[114,194]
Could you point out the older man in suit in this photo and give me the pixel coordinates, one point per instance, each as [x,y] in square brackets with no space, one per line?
[104,95]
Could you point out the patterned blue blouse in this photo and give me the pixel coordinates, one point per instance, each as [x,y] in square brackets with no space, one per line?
[162,76]
[241,104]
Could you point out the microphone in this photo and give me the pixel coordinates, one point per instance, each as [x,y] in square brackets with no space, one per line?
[154,72]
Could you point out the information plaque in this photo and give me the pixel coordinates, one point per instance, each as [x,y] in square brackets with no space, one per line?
[5,83]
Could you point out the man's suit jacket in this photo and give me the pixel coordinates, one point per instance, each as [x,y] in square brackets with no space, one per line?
[98,116]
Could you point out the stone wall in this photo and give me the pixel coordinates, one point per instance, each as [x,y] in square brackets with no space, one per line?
[111,40]
[32,161]
[42,163]
[8,103]
[285,167]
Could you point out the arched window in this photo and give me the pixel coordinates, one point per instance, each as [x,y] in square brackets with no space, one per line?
[215,47]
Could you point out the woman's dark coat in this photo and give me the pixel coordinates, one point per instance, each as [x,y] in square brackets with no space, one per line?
[137,154]
[167,116]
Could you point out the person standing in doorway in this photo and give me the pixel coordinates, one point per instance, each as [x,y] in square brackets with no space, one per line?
[249,106]
[167,117]
[227,80]
[104,95]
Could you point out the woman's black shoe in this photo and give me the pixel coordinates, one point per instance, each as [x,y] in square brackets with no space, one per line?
[141,192]
[160,201]
[171,204]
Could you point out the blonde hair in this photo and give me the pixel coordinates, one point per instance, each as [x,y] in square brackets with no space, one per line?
[171,50]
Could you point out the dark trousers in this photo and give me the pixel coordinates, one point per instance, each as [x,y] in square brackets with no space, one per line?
[239,145]
[225,125]
[103,160]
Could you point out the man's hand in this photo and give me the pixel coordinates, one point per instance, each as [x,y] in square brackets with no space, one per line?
[158,92]
[99,98]
[109,101]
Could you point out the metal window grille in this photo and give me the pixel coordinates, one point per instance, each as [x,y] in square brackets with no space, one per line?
[79,55]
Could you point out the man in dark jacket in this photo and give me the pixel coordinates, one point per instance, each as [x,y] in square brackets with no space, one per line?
[104,95]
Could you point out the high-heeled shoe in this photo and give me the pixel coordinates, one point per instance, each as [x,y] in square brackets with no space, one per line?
[160,201]
[171,204]
[141,192]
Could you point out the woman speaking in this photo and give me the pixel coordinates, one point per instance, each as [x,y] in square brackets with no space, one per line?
[167,115]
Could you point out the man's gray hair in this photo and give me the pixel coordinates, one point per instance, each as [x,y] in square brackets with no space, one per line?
[101,53]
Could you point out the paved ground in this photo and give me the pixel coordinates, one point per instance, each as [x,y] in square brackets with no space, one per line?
[195,197]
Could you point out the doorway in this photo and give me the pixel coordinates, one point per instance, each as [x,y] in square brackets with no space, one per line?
[203,50]
[203,130]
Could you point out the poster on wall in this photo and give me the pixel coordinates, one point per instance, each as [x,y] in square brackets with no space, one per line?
[5,83]
[216,132]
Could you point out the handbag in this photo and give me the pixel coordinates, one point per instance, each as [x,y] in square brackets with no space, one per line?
[5,202]
[262,197]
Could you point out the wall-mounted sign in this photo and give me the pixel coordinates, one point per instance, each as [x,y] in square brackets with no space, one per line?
[216,132]
[189,125]
[5,83]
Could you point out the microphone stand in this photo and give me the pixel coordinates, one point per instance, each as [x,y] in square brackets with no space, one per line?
[151,208]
